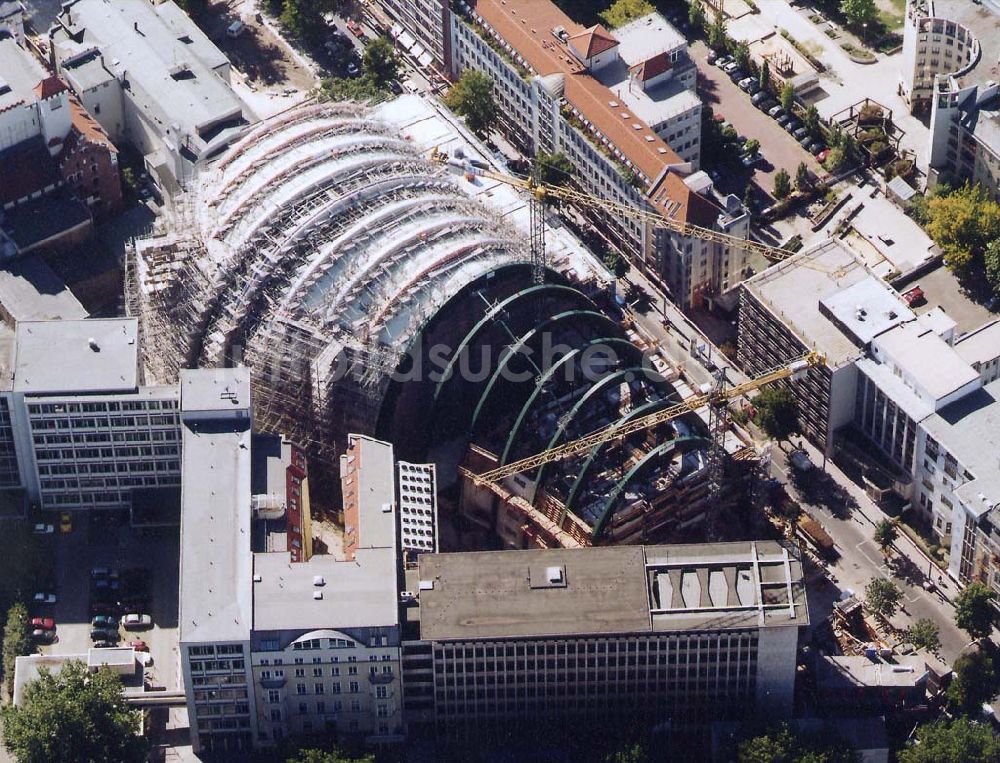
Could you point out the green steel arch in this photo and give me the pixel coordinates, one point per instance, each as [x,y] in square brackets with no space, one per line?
[565,421]
[490,315]
[514,349]
[648,407]
[682,443]
[543,379]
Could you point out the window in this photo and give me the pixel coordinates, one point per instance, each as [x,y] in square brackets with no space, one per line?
[300,672]
[317,672]
[381,692]
[318,688]
[303,708]
[321,707]
[300,688]
[355,706]
[355,687]
[273,696]
[382,711]
[383,729]
[352,670]
[275,714]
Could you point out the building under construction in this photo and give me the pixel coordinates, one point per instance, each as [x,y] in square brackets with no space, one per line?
[373,290]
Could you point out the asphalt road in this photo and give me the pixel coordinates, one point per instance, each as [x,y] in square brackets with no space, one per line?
[850,517]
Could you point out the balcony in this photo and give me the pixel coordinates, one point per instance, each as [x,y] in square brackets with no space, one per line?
[381,678]
[272,683]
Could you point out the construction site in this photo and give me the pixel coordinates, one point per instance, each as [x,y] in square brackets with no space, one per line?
[373,289]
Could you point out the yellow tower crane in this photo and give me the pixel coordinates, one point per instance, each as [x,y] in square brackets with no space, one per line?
[794,370]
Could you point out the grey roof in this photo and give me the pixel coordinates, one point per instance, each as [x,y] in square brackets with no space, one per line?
[866,309]
[376,493]
[222,390]
[36,221]
[19,73]
[926,360]
[171,80]
[793,288]
[844,672]
[624,589]
[901,189]
[30,291]
[215,568]
[85,72]
[969,429]
[643,38]
[81,356]
[981,345]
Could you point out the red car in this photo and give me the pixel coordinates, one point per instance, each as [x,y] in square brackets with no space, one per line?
[914,296]
[139,646]
[46,623]
[355,28]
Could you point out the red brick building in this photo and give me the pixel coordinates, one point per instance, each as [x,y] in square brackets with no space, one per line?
[88,163]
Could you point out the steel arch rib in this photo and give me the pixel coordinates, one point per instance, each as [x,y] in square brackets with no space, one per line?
[540,384]
[688,443]
[512,351]
[485,320]
[648,407]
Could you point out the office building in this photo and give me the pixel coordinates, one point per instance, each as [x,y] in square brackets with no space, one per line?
[964,142]
[678,634]
[418,520]
[150,77]
[933,46]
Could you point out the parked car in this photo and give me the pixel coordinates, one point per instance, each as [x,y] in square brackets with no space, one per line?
[730,66]
[395,87]
[65,522]
[45,623]
[804,141]
[104,644]
[103,634]
[914,296]
[758,98]
[814,148]
[723,61]
[800,460]
[792,126]
[751,159]
[104,621]
[99,572]
[353,69]
[801,133]
[784,119]
[43,636]
[139,646]
[43,529]
[44,598]
[751,87]
[355,28]
[821,156]
[712,57]
[745,81]
[737,74]
[235,29]
[135,621]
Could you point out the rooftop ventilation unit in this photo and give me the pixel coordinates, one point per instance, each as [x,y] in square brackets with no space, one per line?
[318,580]
[317,595]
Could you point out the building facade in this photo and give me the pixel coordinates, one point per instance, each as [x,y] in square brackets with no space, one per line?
[932,47]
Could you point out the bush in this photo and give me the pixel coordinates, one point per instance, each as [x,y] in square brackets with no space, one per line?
[870,113]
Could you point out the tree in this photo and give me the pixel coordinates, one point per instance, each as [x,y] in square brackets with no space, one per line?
[923,634]
[963,223]
[885,534]
[973,682]
[313,755]
[16,641]
[360,89]
[614,262]
[622,12]
[628,754]
[787,97]
[883,597]
[974,610]
[777,410]
[782,184]
[803,181]
[472,97]
[859,12]
[991,263]
[811,120]
[741,54]
[765,76]
[780,745]
[718,38]
[751,147]
[380,61]
[74,716]
[696,16]
[956,741]
[554,169]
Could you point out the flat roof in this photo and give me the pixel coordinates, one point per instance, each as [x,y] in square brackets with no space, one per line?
[981,345]
[866,309]
[31,291]
[845,672]
[376,493]
[932,363]
[19,72]
[969,429]
[216,565]
[644,37]
[623,589]
[215,389]
[793,289]
[83,356]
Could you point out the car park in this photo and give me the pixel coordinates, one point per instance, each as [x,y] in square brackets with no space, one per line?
[43,636]
[103,634]
[43,597]
[800,460]
[135,621]
[43,529]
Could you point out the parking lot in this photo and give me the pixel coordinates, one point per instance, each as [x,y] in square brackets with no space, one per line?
[780,150]
[117,547]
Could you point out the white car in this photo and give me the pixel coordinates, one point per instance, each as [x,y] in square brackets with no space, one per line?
[800,460]
[44,598]
[136,621]
[43,529]
[235,29]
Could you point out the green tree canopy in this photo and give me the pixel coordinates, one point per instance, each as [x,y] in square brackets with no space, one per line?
[777,409]
[633,753]
[780,745]
[303,19]
[741,54]
[811,120]
[696,16]
[554,169]
[362,89]
[885,534]
[614,262]
[751,147]
[963,223]
[622,12]
[16,641]
[991,263]
[883,597]
[787,97]
[974,610]
[718,38]
[859,12]
[313,755]
[764,79]
[472,97]
[957,741]
[973,682]
[380,61]
[803,181]
[924,634]
[782,184]
[74,716]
